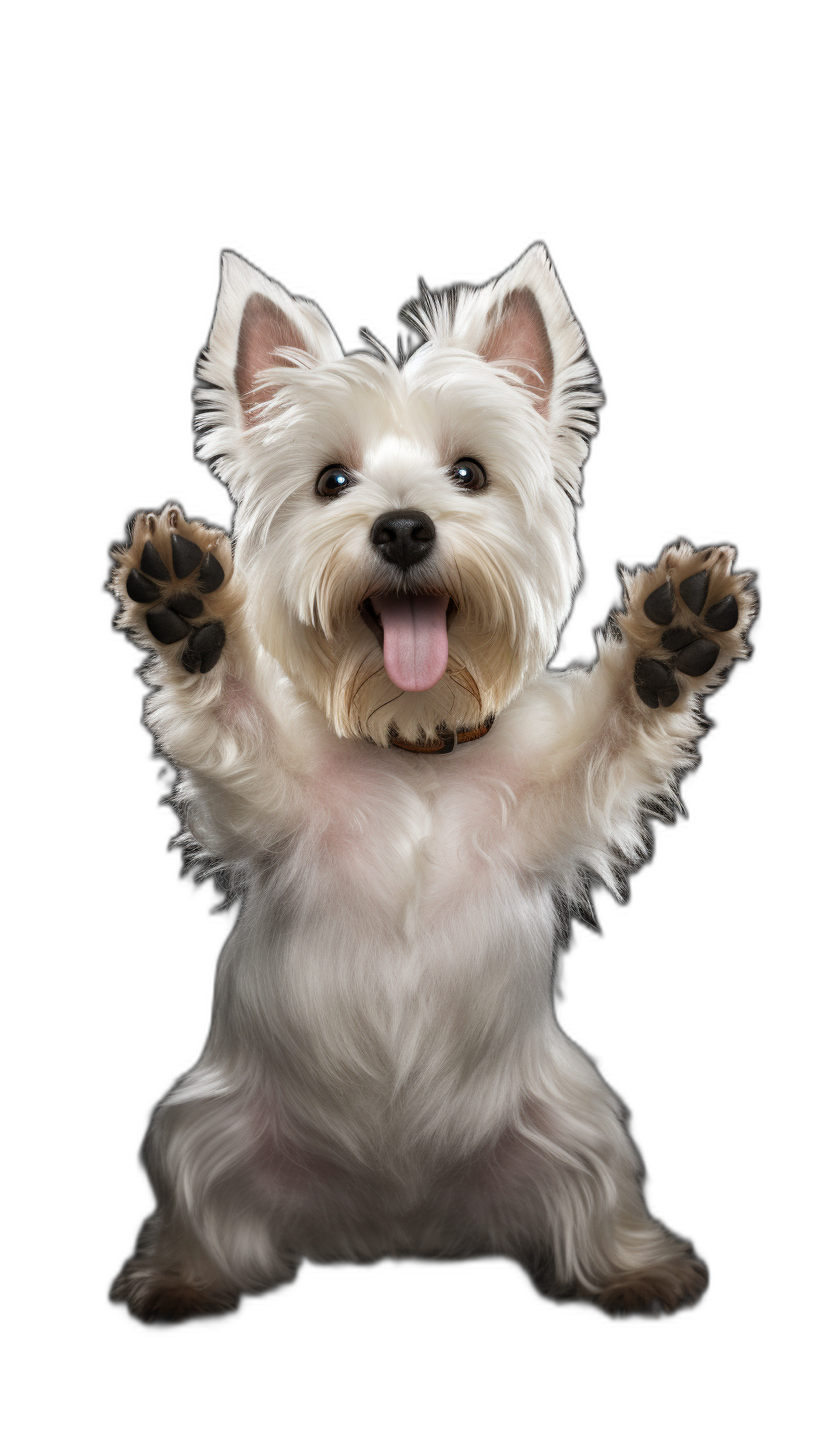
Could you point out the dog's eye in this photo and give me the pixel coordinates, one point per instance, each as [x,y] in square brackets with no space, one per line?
[333,480]
[469,474]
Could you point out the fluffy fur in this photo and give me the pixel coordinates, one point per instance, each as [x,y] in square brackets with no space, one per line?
[385,1073]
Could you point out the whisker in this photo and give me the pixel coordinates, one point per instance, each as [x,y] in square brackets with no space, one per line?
[358,687]
[465,680]
[381,706]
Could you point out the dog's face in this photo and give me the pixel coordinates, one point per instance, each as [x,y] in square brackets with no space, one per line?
[406,530]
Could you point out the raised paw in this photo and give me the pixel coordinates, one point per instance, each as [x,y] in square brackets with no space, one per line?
[687,621]
[174,583]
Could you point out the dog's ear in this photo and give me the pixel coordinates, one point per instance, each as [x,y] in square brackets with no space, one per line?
[516,338]
[257,327]
[267,332]
[259,332]
[520,322]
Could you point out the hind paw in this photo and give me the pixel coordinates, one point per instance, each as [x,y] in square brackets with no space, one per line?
[165,1296]
[678,1280]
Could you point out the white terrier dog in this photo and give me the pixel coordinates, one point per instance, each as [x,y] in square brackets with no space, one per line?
[385,1073]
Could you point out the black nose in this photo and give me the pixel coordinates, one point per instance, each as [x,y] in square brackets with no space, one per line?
[403,537]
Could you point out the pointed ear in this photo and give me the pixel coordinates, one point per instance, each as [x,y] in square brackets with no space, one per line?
[266,329]
[520,321]
[258,326]
[516,337]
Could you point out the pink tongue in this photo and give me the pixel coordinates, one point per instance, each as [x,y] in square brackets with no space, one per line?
[415,633]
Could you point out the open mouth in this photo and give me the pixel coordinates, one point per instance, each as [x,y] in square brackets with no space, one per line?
[412,630]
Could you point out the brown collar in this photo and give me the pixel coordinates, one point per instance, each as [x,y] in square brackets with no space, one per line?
[447,740]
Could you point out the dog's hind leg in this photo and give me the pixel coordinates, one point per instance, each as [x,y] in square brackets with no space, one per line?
[212,1236]
[562,1192]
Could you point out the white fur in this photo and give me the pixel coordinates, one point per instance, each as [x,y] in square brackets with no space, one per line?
[385,1072]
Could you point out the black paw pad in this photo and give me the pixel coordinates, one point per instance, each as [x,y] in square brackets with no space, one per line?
[211,574]
[186,555]
[165,626]
[187,604]
[655,683]
[204,647]
[678,637]
[694,591]
[139,589]
[723,615]
[152,563]
[699,657]
[659,606]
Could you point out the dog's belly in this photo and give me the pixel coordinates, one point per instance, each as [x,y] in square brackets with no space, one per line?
[388,983]
[392,991]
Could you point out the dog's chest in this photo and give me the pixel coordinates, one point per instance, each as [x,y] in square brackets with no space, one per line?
[410,844]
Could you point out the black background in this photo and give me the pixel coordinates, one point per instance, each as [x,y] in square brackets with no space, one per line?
[665,993]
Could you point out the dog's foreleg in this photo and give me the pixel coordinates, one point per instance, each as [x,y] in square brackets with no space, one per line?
[181,600]
[621,734]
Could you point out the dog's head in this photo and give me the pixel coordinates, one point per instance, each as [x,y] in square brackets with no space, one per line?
[406,529]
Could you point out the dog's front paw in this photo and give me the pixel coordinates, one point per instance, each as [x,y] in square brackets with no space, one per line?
[687,620]
[173,581]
